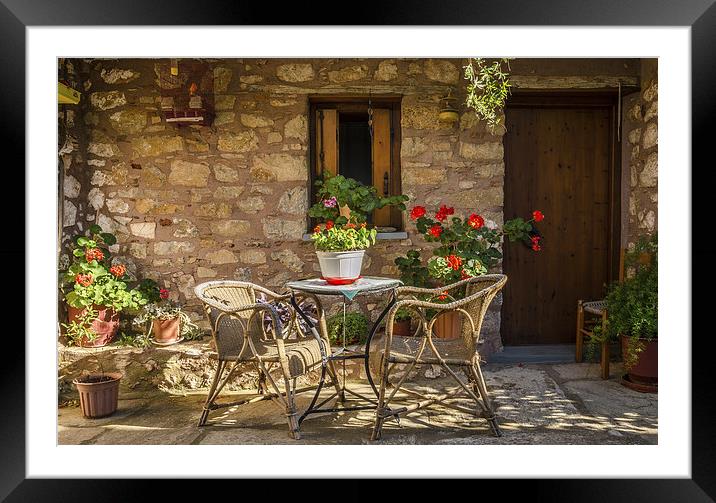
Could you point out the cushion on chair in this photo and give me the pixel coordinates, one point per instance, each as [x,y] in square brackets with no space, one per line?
[595,307]
[302,356]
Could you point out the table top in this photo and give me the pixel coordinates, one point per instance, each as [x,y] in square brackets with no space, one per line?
[366,284]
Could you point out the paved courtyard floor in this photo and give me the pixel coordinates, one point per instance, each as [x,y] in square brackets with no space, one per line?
[536,404]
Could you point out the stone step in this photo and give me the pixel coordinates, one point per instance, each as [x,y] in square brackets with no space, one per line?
[177,369]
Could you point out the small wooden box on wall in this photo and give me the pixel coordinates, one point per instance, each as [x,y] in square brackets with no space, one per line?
[187,91]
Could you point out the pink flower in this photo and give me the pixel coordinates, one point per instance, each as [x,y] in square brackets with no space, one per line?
[330,203]
[164,293]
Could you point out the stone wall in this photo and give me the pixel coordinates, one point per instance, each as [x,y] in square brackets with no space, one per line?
[195,203]
[641,129]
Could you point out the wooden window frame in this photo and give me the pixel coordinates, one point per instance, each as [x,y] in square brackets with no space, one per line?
[353,103]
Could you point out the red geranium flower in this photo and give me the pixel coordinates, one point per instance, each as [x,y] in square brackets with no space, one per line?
[435,230]
[350,226]
[443,296]
[535,239]
[118,270]
[94,254]
[417,212]
[443,212]
[538,216]
[83,279]
[329,224]
[475,221]
[454,262]
[317,228]
[163,293]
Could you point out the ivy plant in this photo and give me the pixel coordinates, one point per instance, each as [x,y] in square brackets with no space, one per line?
[487,88]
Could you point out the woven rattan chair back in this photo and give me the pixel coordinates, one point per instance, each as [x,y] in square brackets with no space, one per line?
[230,331]
[480,292]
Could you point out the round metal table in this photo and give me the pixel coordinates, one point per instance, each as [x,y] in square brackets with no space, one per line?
[368,285]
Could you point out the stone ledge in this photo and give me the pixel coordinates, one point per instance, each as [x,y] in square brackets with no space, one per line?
[381,235]
[177,369]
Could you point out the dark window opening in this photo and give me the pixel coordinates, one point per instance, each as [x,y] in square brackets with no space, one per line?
[354,149]
[342,143]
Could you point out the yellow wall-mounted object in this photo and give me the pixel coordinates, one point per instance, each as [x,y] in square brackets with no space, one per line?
[67,95]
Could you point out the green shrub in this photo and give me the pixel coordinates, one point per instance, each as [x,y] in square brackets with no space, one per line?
[356,325]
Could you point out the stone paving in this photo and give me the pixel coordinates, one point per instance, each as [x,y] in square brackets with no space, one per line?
[536,404]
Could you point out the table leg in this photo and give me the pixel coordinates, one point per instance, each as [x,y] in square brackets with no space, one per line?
[370,338]
[324,357]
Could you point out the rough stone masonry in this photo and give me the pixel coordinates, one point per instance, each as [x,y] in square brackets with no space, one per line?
[194,203]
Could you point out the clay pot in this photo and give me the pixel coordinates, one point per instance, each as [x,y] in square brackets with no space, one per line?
[447,325]
[105,325]
[402,328]
[644,375]
[99,394]
[166,331]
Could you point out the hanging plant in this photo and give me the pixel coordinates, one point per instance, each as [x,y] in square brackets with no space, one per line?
[487,89]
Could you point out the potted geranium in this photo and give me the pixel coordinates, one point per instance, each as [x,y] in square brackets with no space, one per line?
[632,316]
[164,320]
[96,291]
[340,250]
[344,207]
[342,200]
[468,247]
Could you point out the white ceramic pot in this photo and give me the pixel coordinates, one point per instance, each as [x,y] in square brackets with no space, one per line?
[340,267]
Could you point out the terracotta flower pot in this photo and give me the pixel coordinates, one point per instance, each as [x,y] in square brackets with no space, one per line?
[447,325]
[402,328]
[166,331]
[105,325]
[99,394]
[644,374]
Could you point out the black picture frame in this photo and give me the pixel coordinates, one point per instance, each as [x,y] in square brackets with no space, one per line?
[700,15]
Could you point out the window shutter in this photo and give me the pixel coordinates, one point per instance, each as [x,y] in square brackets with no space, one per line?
[327,141]
[382,162]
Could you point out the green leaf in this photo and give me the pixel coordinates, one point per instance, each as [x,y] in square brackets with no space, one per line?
[108,238]
[95,229]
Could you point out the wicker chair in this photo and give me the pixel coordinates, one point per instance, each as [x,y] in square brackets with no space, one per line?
[243,333]
[424,349]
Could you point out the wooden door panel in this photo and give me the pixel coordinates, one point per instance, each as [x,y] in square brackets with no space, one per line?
[557,160]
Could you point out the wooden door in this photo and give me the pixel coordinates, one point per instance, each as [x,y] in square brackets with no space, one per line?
[559,159]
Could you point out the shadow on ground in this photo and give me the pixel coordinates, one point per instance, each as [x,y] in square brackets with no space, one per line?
[536,404]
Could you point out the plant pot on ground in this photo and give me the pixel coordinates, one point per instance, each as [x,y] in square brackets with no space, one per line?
[643,369]
[99,394]
[163,320]
[95,289]
[91,327]
[447,325]
[402,323]
[632,316]
[166,331]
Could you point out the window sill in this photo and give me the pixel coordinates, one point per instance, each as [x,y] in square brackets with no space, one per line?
[395,236]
